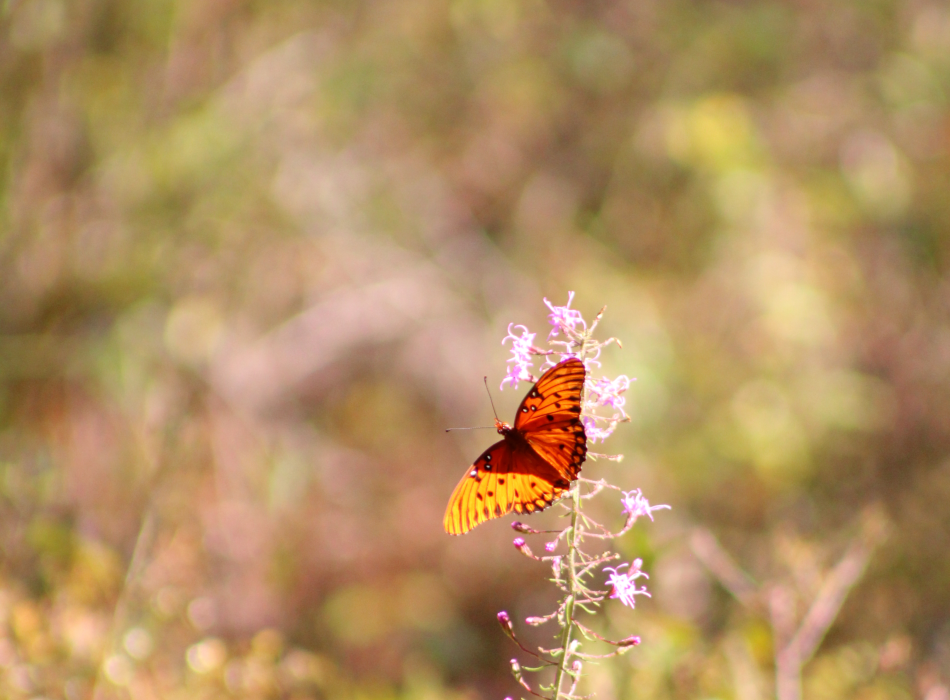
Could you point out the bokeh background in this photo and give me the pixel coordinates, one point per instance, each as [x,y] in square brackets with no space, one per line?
[255,256]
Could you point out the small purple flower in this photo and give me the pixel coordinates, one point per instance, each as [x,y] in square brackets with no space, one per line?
[635,505]
[564,318]
[550,546]
[595,432]
[607,392]
[520,364]
[604,392]
[622,584]
[518,542]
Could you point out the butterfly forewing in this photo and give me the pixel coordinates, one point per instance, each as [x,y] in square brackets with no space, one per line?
[536,462]
[557,394]
[549,417]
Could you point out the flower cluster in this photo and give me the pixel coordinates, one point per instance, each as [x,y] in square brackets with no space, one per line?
[609,392]
[569,324]
[602,410]
[564,318]
[520,364]
[622,585]
[636,505]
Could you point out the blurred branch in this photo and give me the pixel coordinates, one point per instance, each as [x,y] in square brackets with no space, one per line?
[708,550]
[258,375]
[826,607]
[745,671]
[120,614]
[794,647]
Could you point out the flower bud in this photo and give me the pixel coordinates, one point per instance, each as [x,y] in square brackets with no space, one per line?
[505,623]
[516,672]
[522,547]
[521,527]
[550,546]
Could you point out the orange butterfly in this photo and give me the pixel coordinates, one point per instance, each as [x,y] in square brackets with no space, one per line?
[535,463]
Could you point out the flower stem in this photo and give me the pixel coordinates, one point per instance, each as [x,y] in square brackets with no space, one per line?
[582,342]
[572,541]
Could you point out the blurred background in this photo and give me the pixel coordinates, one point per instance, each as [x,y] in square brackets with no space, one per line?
[255,256]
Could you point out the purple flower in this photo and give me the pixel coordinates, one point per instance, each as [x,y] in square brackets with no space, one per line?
[594,432]
[518,542]
[622,584]
[604,392]
[635,505]
[550,546]
[564,318]
[607,392]
[520,364]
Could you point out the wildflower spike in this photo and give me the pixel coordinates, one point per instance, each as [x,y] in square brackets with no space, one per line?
[565,402]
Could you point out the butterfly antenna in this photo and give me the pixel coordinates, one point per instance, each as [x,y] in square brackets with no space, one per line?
[482,427]
[490,399]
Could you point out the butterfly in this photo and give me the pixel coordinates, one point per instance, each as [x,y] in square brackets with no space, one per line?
[537,460]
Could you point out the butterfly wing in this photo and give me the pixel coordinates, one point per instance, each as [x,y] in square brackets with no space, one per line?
[549,418]
[502,480]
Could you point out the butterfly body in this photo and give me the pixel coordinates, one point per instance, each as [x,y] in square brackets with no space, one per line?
[535,462]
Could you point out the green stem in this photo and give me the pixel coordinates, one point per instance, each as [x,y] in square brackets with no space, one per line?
[572,541]
[571,592]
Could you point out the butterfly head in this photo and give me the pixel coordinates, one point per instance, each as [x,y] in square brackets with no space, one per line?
[502,427]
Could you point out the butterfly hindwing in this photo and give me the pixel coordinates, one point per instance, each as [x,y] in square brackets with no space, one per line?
[549,417]
[500,481]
